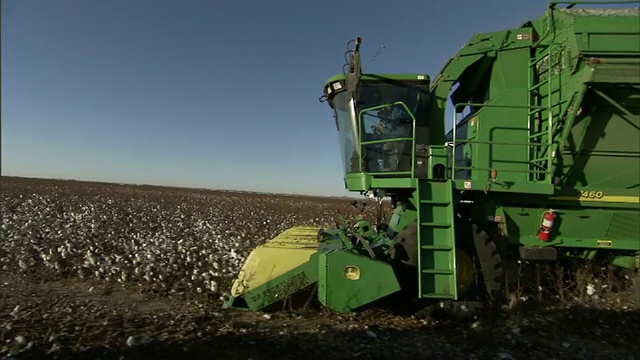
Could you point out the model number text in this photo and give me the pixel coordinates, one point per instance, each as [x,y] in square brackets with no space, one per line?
[591,194]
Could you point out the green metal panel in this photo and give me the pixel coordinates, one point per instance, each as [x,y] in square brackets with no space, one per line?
[577,228]
[602,149]
[349,281]
[605,31]
[357,181]
[365,181]
[628,262]
[323,267]
[615,71]
[399,183]
[401,217]
[436,239]
[437,162]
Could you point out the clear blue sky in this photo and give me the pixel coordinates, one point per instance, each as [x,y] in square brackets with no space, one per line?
[213,94]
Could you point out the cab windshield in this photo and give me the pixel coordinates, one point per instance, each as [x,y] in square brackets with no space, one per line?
[346,120]
[389,110]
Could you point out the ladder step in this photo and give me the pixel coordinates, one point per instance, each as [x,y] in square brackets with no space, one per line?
[539,159]
[438,296]
[543,55]
[534,87]
[436,224]
[542,133]
[436,247]
[535,111]
[438,271]
[435,212]
[435,202]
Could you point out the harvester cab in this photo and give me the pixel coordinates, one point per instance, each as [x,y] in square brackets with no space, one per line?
[380,120]
[541,163]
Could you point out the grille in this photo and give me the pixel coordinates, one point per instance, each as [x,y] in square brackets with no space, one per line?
[624,226]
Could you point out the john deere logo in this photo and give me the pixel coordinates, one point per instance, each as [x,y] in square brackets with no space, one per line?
[352,272]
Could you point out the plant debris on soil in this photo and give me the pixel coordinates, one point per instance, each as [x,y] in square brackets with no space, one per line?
[108,271]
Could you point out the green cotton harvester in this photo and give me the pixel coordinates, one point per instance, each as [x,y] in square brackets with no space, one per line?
[525,146]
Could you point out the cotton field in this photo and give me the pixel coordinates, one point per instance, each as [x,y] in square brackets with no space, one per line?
[166,239]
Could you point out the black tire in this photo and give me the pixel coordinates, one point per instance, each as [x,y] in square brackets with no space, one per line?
[404,260]
[635,286]
[490,263]
[405,246]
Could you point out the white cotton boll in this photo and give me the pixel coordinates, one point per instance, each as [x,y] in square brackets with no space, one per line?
[23,265]
[91,258]
[213,285]
[131,341]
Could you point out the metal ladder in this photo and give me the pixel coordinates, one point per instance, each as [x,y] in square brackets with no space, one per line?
[541,134]
[436,240]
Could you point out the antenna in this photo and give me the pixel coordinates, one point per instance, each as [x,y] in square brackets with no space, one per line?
[355,66]
[386,41]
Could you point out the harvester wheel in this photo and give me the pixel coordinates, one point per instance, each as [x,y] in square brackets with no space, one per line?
[404,259]
[490,262]
[405,246]
[404,255]
[635,286]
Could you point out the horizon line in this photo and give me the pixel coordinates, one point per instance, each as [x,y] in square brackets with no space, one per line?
[179,187]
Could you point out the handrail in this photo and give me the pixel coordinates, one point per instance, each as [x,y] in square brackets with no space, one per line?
[389,172]
[549,102]
[502,143]
[553,4]
[481,105]
[372,142]
[551,106]
[384,141]
[503,171]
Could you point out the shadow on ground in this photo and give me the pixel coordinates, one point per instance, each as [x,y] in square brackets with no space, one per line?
[525,333]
